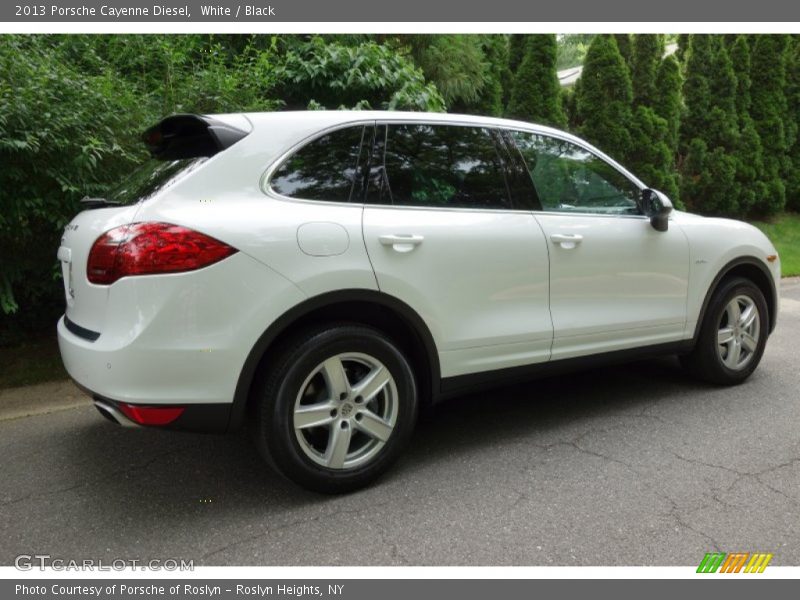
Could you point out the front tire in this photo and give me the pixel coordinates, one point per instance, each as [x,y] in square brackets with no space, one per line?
[337,407]
[732,336]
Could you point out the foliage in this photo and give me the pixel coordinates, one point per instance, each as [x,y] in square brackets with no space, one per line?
[535,95]
[645,58]
[604,98]
[72,109]
[625,47]
[63,134]
[709,136]
[667,102]
[572,49]
[749,151]
[769,110]
[516,51]
[368,75]
[653,161]
[498,76]
[793,116]
[455,64]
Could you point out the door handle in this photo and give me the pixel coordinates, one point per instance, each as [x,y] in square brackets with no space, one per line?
[566,240]
[401,242]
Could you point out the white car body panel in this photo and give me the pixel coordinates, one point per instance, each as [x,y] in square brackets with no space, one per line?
[485,304]
[713,243]
[490,286]
[623,285]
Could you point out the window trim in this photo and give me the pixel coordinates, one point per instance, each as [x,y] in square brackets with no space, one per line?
[266,177]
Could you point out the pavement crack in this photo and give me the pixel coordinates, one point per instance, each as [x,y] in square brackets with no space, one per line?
[295,523]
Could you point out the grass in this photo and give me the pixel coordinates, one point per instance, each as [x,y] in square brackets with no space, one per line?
[784,231]
[34,361]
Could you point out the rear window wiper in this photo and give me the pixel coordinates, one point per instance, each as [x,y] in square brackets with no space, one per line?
[90,202]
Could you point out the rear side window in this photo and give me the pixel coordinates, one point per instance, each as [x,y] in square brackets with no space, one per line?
[150,178]
[326,169]
[446,166]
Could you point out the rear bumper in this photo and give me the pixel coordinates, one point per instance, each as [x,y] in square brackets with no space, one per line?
[177,340]
[116,377]
[201,418]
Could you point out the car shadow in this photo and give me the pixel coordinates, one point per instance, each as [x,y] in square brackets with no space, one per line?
[190,478]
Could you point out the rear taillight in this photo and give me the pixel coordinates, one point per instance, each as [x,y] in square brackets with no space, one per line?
[150,249]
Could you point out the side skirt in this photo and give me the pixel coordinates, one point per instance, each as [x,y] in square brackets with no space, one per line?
[461,384]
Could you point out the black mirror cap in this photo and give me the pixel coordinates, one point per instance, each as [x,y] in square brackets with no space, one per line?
[657,206]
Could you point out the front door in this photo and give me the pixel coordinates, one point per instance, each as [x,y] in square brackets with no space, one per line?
[615,282]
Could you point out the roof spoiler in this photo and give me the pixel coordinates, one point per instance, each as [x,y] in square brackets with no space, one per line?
[190,136]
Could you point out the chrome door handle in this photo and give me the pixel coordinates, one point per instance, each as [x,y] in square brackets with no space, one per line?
[566,240]
[401,242]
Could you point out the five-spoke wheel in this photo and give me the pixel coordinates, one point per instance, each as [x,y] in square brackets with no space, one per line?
[732,334]
[338,405]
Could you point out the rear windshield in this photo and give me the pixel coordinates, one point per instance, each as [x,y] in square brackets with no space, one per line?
[150,178]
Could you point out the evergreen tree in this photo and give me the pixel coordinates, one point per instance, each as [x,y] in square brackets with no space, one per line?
[793,104]
[653,161]
[625,47]
[748,153]
[536,93]
[647,52]
[709,133]
[683,45]
[516,51]
[604,98]
[667,101]
[495,50]
[769,109]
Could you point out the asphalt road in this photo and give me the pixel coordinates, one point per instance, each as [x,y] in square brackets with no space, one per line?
[633,465]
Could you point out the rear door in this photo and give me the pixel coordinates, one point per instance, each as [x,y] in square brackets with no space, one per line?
[445,237]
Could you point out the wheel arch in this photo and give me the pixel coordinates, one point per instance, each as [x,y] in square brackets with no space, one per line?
[368,307]
[748,267]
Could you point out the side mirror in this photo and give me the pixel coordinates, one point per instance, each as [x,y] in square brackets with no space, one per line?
[657,206]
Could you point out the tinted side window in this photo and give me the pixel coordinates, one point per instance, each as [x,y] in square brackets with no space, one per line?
[569,178]
[442,166]
[326,169]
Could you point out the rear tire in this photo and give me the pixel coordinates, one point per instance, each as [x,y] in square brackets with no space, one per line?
[732,336]
[337,407]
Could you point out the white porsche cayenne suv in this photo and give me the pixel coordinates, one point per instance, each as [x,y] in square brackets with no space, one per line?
[320,276]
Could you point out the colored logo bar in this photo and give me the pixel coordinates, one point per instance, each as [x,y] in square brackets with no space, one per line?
[734,562]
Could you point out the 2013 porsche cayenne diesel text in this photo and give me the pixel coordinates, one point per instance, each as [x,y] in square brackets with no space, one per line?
[322,275]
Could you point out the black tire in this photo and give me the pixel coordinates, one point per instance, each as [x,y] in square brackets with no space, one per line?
[293,364]
[704,361]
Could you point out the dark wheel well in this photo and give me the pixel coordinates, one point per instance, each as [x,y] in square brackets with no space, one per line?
[393,318]
[753,271]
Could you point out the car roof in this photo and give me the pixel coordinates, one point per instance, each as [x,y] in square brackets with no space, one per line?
[330,118]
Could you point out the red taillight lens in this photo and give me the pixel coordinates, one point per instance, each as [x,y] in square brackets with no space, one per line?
[151,415]
[150,249]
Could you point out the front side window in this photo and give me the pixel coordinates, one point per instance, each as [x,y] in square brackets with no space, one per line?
[569,178]
[328,168]
[446,166]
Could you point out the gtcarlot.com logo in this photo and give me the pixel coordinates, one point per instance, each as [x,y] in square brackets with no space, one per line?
[734,562]
[28,562]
